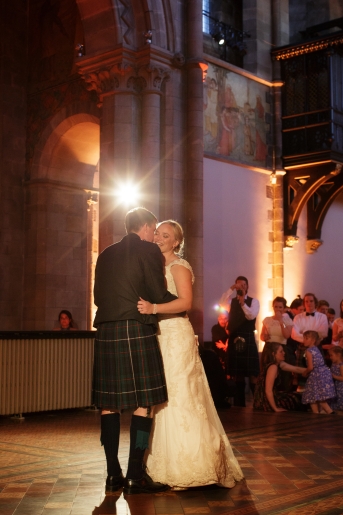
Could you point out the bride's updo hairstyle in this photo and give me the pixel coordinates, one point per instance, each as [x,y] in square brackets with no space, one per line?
[178,234]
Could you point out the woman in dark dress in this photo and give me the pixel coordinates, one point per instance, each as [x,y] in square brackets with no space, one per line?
[268,396]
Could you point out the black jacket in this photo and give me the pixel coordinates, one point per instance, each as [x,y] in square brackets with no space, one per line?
[125,271]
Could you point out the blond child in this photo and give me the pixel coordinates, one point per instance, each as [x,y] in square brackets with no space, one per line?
[319,386]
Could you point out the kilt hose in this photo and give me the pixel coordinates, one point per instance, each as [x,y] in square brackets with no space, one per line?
[244,363]
[128,369]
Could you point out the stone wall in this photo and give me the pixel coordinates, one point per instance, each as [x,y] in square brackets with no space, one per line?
[13,80]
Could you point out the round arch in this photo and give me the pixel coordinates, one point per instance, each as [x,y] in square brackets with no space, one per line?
[66,120]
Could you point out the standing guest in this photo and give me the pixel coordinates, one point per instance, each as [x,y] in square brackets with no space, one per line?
[296,307]
[278,328]
[128,370]
[337,326]
[319,387]
[220,337]
[309,320]
[331,316]
[242,353]
[323,306]
[65,322]
[336,356]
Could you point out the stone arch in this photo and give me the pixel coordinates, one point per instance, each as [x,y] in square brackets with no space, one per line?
[61,219]
[64,120]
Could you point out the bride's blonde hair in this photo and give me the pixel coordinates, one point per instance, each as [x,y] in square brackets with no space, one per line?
[178,234]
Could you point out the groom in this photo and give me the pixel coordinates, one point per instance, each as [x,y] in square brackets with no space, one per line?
[128,369]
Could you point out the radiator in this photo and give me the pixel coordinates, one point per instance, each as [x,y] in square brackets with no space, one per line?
[45,374]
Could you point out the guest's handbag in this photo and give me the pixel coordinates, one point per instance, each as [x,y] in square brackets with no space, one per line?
[240,344]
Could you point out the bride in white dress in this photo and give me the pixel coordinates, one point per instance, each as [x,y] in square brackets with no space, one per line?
[189,445]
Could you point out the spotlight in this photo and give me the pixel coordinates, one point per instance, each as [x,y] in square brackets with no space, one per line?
[127,194]
[218,34]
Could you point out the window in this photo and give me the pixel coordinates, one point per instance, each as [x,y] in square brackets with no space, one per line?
[205,17]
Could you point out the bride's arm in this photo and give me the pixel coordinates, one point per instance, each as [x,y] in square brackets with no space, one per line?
[183,282]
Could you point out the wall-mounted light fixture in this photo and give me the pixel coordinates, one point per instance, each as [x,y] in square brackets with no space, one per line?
[148,37]
[227,36]
[80,50]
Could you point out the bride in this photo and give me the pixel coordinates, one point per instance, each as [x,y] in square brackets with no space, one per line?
[189,446]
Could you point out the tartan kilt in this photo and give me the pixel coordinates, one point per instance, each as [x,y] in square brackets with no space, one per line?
[128,369]
[245,363]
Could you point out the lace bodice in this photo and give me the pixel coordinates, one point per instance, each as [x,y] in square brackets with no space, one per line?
[170,279]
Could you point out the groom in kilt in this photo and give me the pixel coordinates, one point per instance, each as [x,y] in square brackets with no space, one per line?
[128,369]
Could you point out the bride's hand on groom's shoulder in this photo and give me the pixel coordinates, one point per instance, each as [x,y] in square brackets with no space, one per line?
[144,307]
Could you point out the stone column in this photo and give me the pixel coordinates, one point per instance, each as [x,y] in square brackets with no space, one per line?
[194,159]
[280,35]
[150,80]
[116,86]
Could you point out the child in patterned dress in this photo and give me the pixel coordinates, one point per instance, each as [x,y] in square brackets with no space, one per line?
[319,386]
[336,356]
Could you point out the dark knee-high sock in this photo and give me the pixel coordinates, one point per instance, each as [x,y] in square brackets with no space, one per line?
[139,441]
[110,429]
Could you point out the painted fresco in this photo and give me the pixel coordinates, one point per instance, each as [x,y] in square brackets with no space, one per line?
[236,116]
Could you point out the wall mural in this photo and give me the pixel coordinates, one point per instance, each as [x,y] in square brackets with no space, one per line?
[236,117]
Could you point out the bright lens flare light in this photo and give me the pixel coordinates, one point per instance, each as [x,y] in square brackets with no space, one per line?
[127,194]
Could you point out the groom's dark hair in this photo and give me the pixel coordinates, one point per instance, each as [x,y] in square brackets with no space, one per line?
[137,217]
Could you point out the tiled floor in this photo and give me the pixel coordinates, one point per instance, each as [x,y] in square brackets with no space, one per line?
[53,464]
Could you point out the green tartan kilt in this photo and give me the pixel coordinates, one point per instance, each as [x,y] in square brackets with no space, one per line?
[128,369]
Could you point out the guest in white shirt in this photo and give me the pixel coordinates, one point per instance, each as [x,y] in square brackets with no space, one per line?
[310,320]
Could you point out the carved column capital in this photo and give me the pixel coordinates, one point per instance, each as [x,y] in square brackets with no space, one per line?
[153,76]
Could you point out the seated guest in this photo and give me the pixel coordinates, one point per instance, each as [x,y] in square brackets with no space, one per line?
[65,322]
[268,395]
[220,337]
[278,328]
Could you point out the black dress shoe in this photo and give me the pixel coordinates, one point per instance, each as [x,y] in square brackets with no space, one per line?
[113,483]
[145,485]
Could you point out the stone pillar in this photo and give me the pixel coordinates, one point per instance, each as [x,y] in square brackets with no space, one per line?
[151,78]
[280,36]
[194,159]
[118,148]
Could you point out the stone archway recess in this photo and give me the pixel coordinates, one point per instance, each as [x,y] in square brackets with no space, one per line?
[61,218]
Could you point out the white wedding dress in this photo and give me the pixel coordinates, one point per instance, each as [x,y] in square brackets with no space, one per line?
[189,446]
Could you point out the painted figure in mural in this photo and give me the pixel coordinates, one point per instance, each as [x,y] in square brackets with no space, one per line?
[189,446]
[260,128]
[227,139]
[248,146]
[128,370]
[210,114]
